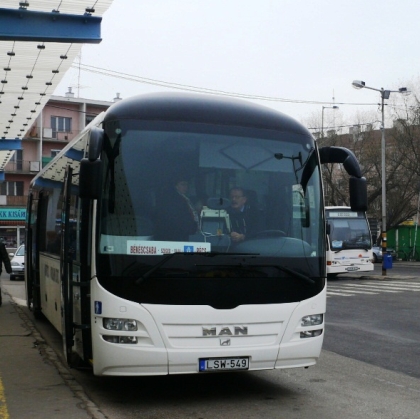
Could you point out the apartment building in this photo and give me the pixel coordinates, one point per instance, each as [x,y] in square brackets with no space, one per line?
[62,118]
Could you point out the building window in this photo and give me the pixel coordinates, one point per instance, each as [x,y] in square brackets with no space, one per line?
[90,118]
[54,153]
[60,124]
[11,188]
[17,160]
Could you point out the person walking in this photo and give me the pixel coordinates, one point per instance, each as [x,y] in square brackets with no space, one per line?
[4,260]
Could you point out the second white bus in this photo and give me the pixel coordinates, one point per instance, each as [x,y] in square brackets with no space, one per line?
[349,241]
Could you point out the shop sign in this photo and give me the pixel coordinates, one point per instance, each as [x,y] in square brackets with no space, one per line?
[14,214]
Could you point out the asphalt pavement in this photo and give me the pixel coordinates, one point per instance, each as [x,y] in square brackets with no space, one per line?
[33,380]
[393,273]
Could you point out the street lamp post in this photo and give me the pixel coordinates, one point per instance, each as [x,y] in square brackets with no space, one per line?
[322,119]
[322,137]
[358,84]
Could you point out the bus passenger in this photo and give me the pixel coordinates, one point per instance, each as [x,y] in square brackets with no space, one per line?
[177,218]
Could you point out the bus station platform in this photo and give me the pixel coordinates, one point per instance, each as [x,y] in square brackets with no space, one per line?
[33,381]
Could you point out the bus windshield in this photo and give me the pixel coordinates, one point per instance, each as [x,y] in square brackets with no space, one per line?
[348,230]
[206,190]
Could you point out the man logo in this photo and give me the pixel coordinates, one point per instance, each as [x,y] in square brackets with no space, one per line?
[225,331]
[224,342]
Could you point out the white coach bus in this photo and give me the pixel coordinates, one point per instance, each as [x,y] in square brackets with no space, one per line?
[135,293]
[349,241]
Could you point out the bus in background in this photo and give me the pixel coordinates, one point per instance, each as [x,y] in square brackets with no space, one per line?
[147,274]
[349,241]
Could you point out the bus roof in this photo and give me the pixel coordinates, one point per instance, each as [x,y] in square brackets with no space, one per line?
[200,108]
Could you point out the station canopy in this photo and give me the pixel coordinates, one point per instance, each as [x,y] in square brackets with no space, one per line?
[35,54]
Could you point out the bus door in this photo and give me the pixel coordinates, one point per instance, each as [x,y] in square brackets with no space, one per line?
[66,265]
[37,206]
[31,259]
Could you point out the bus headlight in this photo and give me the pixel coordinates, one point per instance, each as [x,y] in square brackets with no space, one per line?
[309,321]
[310,333]
[120,324]
[312,320]
[120,339]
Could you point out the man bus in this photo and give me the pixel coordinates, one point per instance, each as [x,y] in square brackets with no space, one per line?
[131,301]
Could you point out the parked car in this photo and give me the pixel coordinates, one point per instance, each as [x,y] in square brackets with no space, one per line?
[18,263]
[377,253]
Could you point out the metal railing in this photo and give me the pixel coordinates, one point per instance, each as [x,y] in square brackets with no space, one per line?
[50,134]
[22,166]
[16,201]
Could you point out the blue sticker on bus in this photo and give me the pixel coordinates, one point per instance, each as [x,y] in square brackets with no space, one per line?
[189,249]
[98,307]
[202,365]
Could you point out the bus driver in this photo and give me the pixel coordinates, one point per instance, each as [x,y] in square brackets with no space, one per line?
[243,218]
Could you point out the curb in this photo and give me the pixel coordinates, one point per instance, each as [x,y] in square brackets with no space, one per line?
[51,356]
[382,277]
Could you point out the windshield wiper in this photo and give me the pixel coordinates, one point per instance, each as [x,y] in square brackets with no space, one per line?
[285,269]
[166,258]
[210,254]
[349,246]
[289,271]
[160,264]
[131,266]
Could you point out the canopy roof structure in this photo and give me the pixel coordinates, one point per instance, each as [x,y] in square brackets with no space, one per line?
[31,66]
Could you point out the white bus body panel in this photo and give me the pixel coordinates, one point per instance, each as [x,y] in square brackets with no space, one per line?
[349,260]
[171,340]
[50,289]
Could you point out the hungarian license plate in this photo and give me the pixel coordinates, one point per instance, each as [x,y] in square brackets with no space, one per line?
[223,364]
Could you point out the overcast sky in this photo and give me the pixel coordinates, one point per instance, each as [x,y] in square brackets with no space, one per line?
[299,50]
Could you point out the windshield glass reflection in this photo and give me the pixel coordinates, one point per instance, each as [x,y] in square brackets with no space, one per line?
[202,190]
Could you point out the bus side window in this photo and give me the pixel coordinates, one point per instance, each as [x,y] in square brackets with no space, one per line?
[53,242]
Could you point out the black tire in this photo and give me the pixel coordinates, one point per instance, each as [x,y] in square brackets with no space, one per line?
[12,277]
[38,314]
[375,258]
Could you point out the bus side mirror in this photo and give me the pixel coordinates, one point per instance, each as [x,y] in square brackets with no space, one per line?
[358,194]
[91,167]
[96,142]
[328,228]
[341,155]
[357,183]
[90,176]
